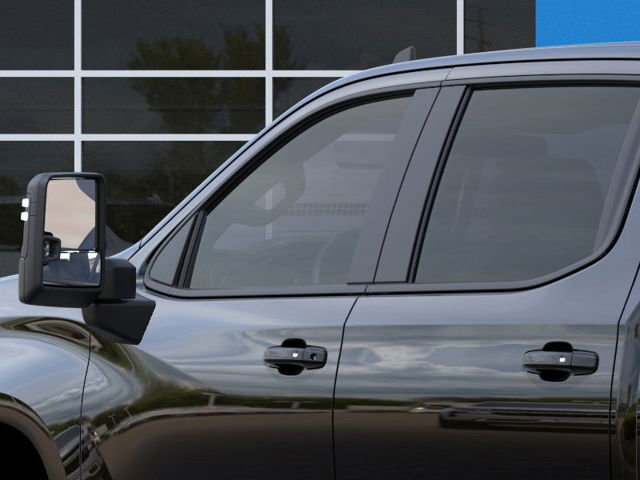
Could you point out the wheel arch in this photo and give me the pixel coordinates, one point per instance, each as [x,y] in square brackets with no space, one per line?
[19,416]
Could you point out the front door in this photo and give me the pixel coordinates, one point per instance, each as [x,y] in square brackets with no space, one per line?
[490,353]
[234,378]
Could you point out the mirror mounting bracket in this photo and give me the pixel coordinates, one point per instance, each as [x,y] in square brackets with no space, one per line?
[118,280]
[118,312]
[121,321]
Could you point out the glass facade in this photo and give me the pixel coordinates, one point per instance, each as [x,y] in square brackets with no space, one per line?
[173,34]
[173,105]
[19,162]
[145,180]
[156,95]
[36,105]
[499,24]
[359,34]
[37,34]
[288,91]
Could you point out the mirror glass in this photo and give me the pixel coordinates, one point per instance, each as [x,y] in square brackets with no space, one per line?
[69,253]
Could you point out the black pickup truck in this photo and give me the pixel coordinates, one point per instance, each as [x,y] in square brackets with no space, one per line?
[425,270]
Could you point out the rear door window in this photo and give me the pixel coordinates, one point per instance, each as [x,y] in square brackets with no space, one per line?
[535,183]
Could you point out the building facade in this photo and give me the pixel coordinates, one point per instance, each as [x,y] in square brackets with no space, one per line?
[155,95]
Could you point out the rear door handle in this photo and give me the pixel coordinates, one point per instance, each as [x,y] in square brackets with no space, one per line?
[294,355]
[557,361]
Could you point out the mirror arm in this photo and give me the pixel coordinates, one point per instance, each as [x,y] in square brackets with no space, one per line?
[121,321]
[118,280]
[119,312]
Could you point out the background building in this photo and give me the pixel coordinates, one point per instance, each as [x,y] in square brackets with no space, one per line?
[155,95]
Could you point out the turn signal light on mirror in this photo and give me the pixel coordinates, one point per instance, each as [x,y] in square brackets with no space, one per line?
[24,216]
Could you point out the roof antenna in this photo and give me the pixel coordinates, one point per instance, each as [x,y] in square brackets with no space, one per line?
[405,55]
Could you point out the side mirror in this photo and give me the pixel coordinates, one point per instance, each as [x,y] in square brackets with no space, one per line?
[63,264]
[63,245]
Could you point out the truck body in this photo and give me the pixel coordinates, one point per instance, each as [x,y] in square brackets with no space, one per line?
[427,269]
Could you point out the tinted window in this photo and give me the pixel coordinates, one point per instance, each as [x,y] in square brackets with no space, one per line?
[289,91]
[532,184]
[173,34]
[297,218]
[19,162]
[499,24]
[147,179]
[358,34]
[173,105]
[164,268]
[36,34]
[36,105]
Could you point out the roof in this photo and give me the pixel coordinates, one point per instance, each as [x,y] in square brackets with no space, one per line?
[595,51]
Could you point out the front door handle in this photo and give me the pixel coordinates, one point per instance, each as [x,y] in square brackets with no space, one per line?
[294,355]
[557,361]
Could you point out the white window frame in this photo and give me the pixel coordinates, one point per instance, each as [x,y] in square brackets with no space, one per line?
[268,74]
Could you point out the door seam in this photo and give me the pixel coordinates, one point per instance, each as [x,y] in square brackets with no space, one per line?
[613,374]
[333,396]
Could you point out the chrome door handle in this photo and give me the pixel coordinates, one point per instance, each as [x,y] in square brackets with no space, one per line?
[294,355]
[557,361]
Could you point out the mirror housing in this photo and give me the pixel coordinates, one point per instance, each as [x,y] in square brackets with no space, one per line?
[56,268]
[63,264]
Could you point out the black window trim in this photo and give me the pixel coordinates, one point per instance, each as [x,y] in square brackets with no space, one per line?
[190,222]
[419,103]
[408,284]
[400,238]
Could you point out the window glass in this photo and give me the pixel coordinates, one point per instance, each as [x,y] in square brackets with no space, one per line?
[532,183]
[147,179]
[19,162]
[173,34]
[499,24]
[297,218]
[173,105]
[289,91]
[36,105]
[164,268]
[359,34]
[36,34]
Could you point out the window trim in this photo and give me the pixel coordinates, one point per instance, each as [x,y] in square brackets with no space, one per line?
[177,275]
[420,105]
[629,152]
[399,241]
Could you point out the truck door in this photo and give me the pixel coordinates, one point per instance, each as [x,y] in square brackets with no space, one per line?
[235,375]
[485,349]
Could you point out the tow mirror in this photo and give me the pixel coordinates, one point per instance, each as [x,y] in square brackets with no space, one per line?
[63,264]
[62,257]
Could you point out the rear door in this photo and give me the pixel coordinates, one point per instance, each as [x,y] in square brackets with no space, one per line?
[263,274]
[486,347]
